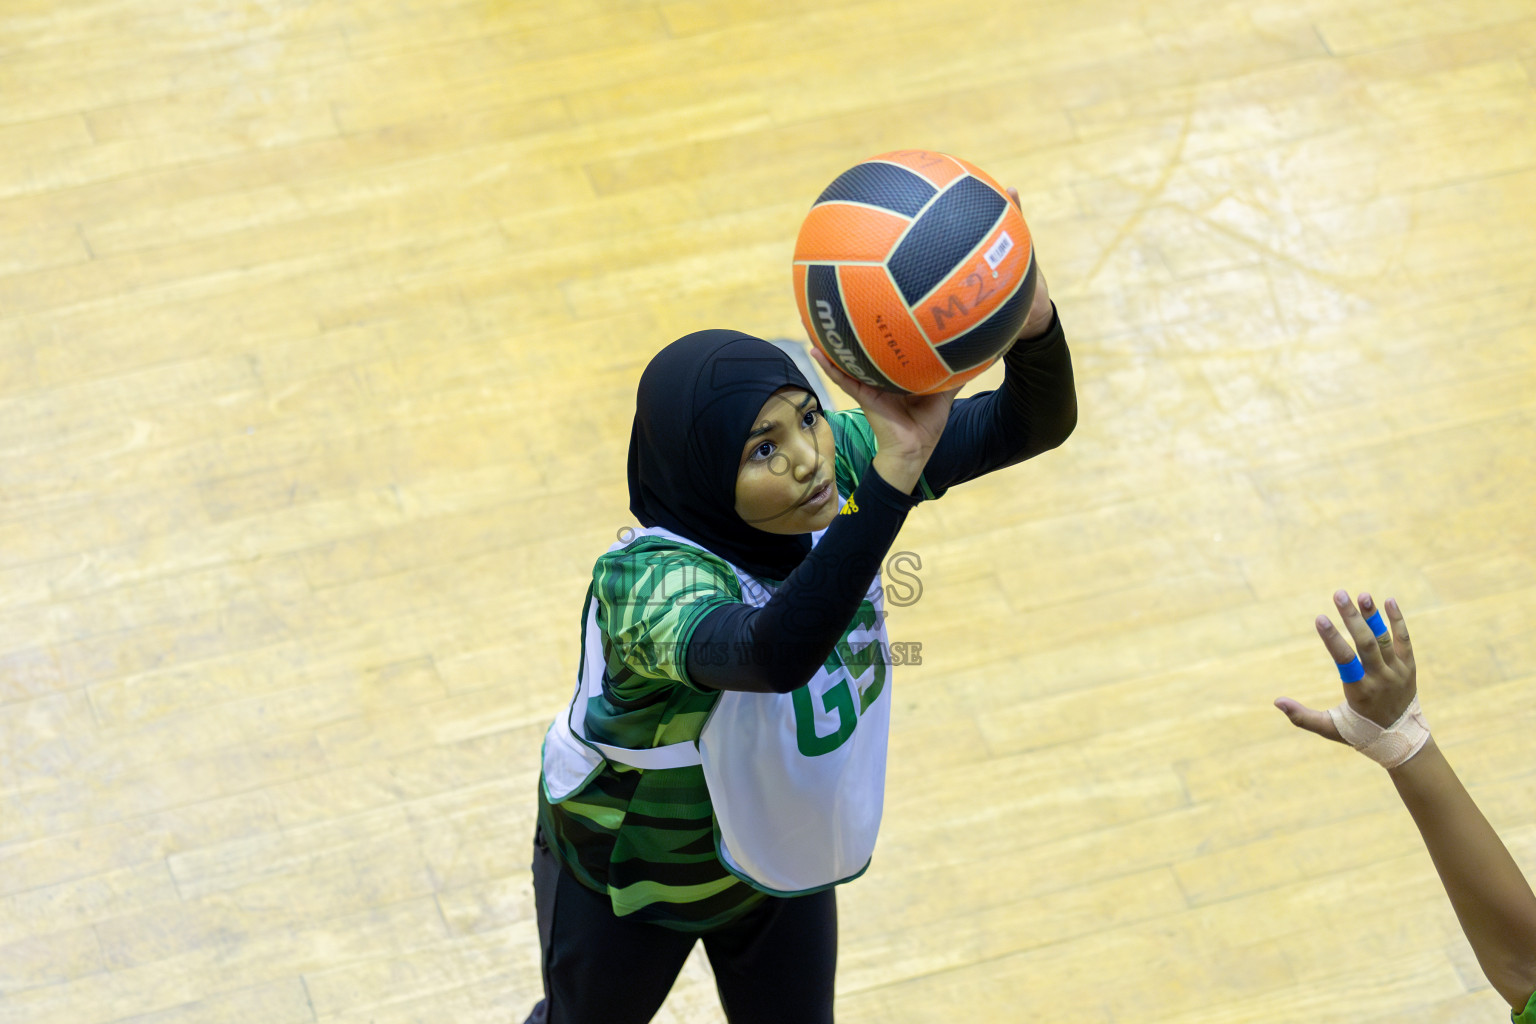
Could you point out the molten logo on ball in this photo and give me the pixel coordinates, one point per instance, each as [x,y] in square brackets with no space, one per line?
[913,272]
[831,339]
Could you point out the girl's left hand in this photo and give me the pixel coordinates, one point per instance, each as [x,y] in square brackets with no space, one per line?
[1040,309]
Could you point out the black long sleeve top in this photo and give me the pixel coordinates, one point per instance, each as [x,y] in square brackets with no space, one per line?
[785,640]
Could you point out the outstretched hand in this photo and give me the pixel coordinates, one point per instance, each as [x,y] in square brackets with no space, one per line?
[1390,681]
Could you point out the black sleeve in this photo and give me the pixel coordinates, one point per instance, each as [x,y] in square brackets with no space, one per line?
[778,647]
[1034,411]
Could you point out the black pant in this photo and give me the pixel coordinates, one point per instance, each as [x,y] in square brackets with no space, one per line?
[774,966]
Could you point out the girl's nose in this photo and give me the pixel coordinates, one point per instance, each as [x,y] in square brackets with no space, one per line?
[806,459]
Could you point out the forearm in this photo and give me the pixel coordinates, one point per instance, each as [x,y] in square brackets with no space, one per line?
[1491,897]
[779,646]
[901,470]
[1041,391]
[1033,411]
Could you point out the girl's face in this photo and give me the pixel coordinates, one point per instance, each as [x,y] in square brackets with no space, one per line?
[785,483]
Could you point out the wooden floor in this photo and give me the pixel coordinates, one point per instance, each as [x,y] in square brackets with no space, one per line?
[319,328]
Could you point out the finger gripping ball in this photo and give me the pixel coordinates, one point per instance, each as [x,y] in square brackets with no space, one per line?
[913,271]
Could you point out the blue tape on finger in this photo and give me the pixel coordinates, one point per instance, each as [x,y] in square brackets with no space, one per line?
[1352,671]
[1377,625]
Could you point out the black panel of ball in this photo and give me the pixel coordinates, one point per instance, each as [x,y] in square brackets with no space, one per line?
[884,185]
[824,299]
[943,236]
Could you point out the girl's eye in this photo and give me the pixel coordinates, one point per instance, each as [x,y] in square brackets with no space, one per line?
[809,419]
[762,451]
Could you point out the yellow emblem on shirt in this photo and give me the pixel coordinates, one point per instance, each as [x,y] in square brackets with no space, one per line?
[848,508]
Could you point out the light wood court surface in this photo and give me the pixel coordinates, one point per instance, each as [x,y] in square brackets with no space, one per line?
[319,328]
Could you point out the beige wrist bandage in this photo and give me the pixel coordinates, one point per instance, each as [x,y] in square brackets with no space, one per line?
[1388,747]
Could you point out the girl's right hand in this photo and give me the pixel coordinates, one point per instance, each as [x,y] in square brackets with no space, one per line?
[907,427]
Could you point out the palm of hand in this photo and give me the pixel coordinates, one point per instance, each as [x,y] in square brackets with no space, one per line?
[910,422]
[1389,686]
[1390,680]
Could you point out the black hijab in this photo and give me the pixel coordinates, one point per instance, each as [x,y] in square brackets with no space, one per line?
[698,400]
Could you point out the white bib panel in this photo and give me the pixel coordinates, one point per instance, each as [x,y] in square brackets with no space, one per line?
[797,780]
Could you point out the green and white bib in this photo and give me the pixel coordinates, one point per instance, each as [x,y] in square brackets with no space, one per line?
[796,780]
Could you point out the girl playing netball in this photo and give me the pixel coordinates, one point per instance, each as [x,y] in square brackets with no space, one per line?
[721,765]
